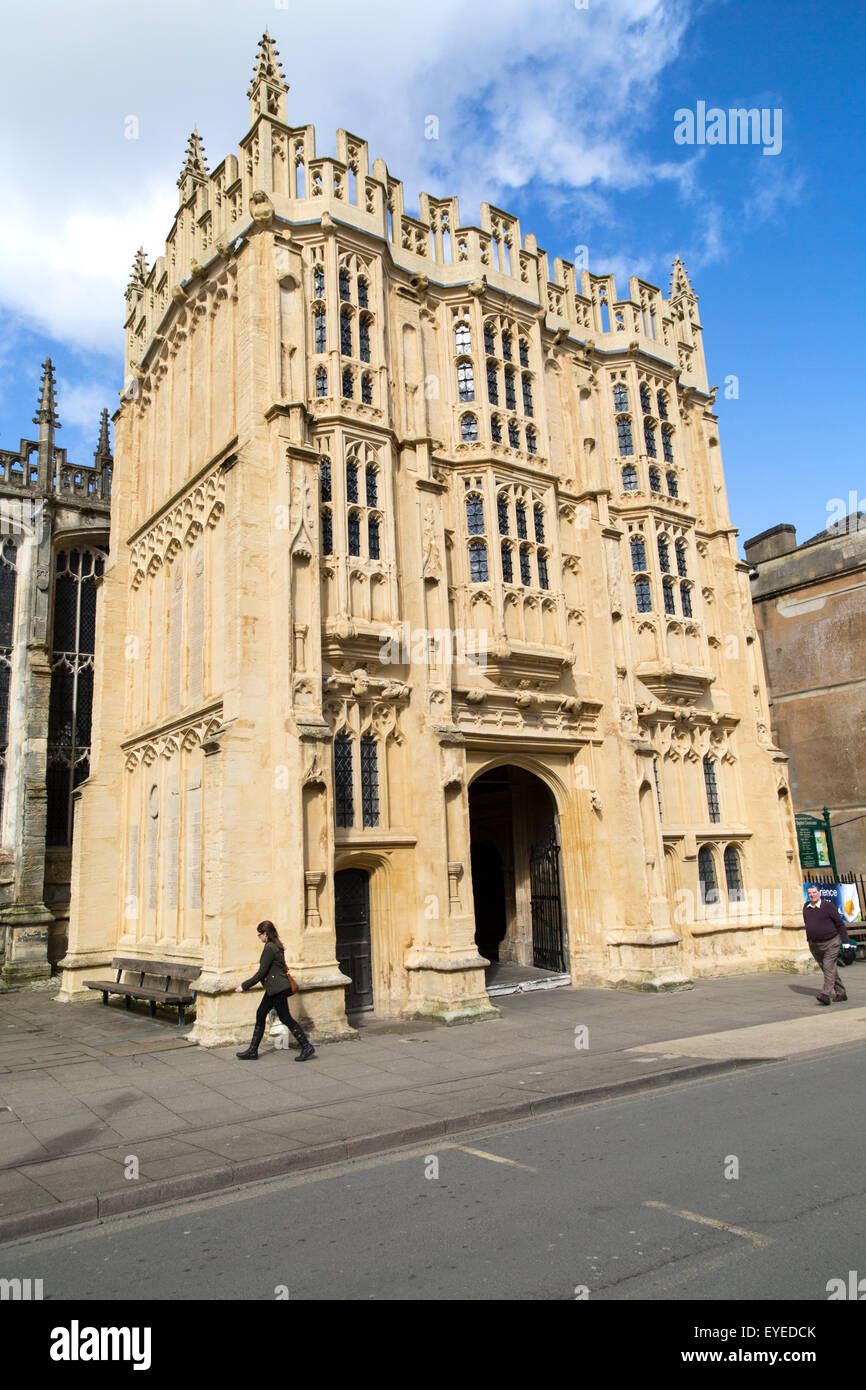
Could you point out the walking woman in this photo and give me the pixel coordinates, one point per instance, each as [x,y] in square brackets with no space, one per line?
[274,975]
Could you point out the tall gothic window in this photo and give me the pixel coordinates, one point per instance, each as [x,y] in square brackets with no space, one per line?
[363,296]
[71,702]
[620,398]
[655,480]
[469,429]
[364,339]
[664,555]
[502,513]
[523,352]
[645,399]
[682,559]
[707,875]
[506,346]
[510,397]
[325,479]
[686,600]
[513,434]
[372,487]
[373,538]
[525,571]
[527,394]
[478,562]
[733,877]
[638,554]
[348,384]
[673,490]
[507,567]
[465,381]
[343,802]
[475,515]
[538,517]
[354,530]
[346,333]
[649,434]
[670,606]
[531,441]
[369,781]
[327,534]
[629,479]
[658,787]
[321,337]
[319,282]
[367,389]
[321,382]
[712,790]
[642,596]
[489,339]
[345,287]
[492,384]
[8,575]
[543,582]
[667,444]
[624,436]
[496,429]
[662,401]
[351,481]
[463,338]
[520,512]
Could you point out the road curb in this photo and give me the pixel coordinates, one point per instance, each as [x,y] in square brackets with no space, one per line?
[223,1177]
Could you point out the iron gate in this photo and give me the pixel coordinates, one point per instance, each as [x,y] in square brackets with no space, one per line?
[547,945]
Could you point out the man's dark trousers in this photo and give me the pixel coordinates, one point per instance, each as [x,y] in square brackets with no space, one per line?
[826,954]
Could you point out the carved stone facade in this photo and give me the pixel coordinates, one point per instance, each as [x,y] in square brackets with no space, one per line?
[378,607]
[53,542]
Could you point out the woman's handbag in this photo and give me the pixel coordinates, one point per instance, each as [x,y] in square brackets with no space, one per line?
[293,984]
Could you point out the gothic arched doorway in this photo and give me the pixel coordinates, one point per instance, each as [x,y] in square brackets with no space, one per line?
[515,871]
[352,922]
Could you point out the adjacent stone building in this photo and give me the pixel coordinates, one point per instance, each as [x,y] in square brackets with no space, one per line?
[423,631]
[810,611]
[53,541]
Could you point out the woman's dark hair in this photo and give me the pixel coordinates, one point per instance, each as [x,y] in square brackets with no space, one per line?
[270,934]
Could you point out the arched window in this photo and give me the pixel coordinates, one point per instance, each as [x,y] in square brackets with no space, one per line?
[325,479]
[371,485]
[624,436]
[373,538]
[664,555]
[502,513]
[520,512]
[538,518]
[354,533]
[525,571]
[367,389]
[463,338]
[531,441]
[320,334]
[620,398]
[527,394]
[649,434]
[686,600]
[327,533]
[670,606]
[523,352]
[655,480]
[662,402]
[712,790]
[682,559]
[510,398]
[492,384]
[346,332]
[642,595]
[667,444]
[475,515]
[364,339]
[369,781]
[646,404]
[707,875]
[733,877]
[465,381]
[343,798]
[673,490]
[478,562]
[363,296]
[496,429]
[629,478]
[513,435]
[351,481]
[318,282]
[321,382]
[489,338]
[348,384]
[638,554]
[507,568]
[542,571]
[506,346]
[469,429]
[345,285]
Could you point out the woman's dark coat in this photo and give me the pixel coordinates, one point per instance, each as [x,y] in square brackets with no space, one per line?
[272,971]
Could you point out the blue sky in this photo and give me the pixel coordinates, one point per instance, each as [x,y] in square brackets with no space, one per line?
[564,116]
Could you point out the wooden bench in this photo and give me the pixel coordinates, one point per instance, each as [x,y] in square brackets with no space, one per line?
[164,970]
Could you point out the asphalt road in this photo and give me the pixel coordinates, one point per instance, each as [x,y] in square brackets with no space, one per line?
[619,1200]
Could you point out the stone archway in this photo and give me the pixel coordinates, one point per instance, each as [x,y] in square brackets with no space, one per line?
[516,880]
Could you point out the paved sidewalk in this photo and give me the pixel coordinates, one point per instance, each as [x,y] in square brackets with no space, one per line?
[85,1088]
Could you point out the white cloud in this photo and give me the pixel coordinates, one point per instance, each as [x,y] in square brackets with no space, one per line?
[525,91]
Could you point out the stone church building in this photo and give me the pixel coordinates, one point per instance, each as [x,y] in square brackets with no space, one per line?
[423,632]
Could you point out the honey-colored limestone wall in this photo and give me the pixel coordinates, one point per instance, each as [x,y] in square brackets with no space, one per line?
[311,475]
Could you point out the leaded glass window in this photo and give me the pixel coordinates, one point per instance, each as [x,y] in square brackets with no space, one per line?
[465,381]
[646,404]
[320,332]
[638,554]
[510,398]
[525,571]
[523,350]
[649,435]
[492,384]
[319,282]
[496,429]
[707,875]
[364,340]
[542,570]
[513,434]
[363,295]
[620,398]
[369,781]
[354,533]
[506,346]
[345,286]
[667,444]
[655,480]
[343,795]
[351,481]
[624,436]
[527,395]
[664,555]
[686,600]
[469,429]
[712,790]
[463,338]
[629,478]
[321,382]
[327,533]
[662,402]
[372,485]
[670,606]
[367,389]
[348,384]
[478,562]
[538,517]
[373,538]
[531,441]
[346,333]
[475,515]
[502,513]
[489,340]
[520,512]
[507,567]
[71,700]
[325,479]
[673,490]
[642,595]
[682,559]
[733,878]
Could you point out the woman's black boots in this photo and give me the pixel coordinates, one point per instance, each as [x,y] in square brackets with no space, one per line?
[307,1050]
[252,1052]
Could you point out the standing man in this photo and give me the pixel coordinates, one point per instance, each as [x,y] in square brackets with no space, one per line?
[824,930]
